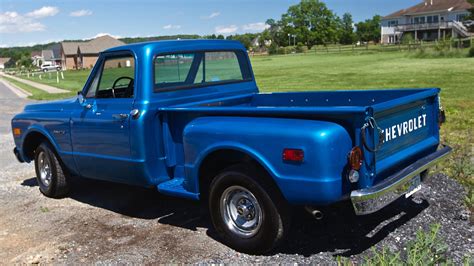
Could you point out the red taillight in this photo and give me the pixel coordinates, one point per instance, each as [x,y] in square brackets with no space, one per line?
[355,158]
[293,155]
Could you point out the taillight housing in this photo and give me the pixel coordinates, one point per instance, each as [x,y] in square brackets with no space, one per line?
[293,155]
[355,158]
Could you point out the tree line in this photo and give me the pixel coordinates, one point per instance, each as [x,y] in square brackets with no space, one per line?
[311,22]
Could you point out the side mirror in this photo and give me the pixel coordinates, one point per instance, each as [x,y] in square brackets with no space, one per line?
[82,100]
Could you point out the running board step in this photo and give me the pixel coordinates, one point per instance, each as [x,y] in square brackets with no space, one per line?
[175,188]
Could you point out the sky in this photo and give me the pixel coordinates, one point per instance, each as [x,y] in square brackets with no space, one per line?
[29,22]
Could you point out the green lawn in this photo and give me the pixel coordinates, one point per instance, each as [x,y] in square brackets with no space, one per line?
[366,71]
[73,80]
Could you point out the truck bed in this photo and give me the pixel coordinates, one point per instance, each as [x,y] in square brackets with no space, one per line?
[350,109]
[332,102]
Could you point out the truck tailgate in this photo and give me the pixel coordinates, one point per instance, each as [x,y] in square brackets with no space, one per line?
[409,130]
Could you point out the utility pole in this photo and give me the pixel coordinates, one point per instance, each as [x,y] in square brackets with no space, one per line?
[294,40]
[289,41]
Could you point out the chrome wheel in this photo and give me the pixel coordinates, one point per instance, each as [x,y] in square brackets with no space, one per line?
[241,211]
[44,167]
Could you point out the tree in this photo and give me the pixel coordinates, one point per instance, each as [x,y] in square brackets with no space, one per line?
[369,30]
[275,32]
[246,39]
[312,23]
[347,30]
[25,61]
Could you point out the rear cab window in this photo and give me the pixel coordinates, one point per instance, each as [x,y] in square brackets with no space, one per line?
[198,69]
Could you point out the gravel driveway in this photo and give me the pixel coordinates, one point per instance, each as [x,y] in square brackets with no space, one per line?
[109,223]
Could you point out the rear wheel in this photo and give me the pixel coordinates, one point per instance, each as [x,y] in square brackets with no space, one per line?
[52,177]
[243,206]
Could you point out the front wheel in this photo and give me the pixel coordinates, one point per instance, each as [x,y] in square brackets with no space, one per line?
[51,176]
[243,206]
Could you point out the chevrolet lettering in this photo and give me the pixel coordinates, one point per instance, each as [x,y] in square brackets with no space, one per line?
[186,117]
[404,128]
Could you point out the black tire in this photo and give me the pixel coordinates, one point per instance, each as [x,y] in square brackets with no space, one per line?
[275,222]
[58,185]
[45,70]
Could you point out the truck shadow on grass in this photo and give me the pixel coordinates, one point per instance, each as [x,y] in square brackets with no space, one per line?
[340,232]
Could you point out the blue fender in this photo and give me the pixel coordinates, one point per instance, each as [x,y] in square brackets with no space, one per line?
[37,128]
[319,179]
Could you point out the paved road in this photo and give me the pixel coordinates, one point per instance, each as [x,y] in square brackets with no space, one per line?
[11,104]
[105,223]
[6,93]
[46,88]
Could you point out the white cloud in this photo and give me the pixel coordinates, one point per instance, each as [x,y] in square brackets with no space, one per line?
[226,29]
[212,15]
[259,26]
[172,27]
[104,34]
[80,13]
[45,11]
[12,22]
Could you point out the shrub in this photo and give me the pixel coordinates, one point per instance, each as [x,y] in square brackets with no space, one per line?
[471,52]
[407,38]
[299,48]
[273,49]
[426,249]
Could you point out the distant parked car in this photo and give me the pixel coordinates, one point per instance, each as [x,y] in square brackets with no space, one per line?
[48,66]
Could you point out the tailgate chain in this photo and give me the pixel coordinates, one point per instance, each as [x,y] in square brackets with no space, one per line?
[373,124]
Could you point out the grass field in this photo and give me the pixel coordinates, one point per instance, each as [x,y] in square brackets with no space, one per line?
[368,71]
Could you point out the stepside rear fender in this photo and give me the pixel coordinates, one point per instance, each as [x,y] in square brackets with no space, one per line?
[317,180]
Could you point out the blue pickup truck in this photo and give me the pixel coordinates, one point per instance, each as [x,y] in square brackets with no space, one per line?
[187,118]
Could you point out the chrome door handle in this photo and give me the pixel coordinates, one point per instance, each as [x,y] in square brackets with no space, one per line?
[120,116]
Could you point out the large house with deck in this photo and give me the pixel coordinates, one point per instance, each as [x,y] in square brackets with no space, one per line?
[428,21]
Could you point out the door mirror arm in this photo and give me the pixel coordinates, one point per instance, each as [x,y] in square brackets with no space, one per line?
[82,100]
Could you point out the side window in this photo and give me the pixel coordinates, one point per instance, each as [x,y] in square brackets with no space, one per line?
[115,79]
[200,68]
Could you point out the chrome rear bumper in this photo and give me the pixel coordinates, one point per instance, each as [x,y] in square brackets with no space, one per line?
[372,199]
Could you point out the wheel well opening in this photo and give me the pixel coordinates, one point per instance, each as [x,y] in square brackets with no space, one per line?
[216,162]
[31,142]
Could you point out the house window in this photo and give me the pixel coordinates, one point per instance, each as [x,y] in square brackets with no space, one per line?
[420,20]
[393,23]
[432,19]
[461,17]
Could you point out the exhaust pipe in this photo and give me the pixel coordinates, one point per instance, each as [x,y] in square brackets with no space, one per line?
[317,214]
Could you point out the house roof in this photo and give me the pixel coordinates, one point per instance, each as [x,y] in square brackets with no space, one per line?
[36,53]
[432,6]
[99,44]
[4,60]
[56,48]
[47,55]
[94,46]
[70,48]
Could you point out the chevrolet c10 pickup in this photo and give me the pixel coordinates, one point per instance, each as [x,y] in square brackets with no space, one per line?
[187,118]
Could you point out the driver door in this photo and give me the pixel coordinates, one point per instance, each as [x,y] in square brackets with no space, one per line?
[100,127]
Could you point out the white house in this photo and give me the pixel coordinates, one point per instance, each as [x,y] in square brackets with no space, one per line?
[429,20]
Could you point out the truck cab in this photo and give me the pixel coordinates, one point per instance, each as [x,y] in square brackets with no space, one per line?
[187,118]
